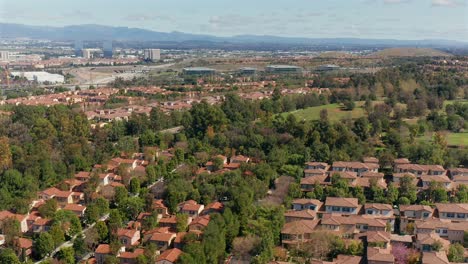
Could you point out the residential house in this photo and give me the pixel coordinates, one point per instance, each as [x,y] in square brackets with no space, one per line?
[293,215]
[442,179]
[297,231]
[454,212]
[101,252]
[128,237]
[452,231]
[380,211]
[306,204]
[424,242]
[314,173]
[83,176]
[378,239]
[418,169]
[410,213]
[315,169]
[338,205]
[239,159]
[62,197]
[349,176]
[398,176]
[377,255]
[162,239]
[169,256]
[191,208]
[159,207]
[77,209]
[25,246]
[370,160]
[434,258]
[215,207]
[308,183]
[41,225]
[354,166]
[458,172]
[131,257]
[199,224]
[352,224]
[179,240]
[22,219]
[317,166]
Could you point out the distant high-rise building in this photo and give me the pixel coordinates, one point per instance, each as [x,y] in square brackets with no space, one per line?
[152,54]
[87,53]
[107,49]
[4,55]
[79,48]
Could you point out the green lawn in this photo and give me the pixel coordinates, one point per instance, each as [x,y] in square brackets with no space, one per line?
[453,139]
[335,113]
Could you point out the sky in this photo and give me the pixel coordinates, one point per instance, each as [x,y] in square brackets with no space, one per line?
[379,19]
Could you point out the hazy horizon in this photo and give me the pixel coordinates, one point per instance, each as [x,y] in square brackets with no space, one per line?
[368,19]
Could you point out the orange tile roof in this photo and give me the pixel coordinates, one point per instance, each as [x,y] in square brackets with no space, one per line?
[300,227]
[339,201]
[171,255]
[126,232]
[132,255]
[103,249]
[25,243]
[75,208]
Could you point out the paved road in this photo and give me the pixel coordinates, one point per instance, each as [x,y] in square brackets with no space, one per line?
[69,243]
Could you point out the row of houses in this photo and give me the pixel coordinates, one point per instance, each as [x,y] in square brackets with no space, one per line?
[361,174]
[374,225]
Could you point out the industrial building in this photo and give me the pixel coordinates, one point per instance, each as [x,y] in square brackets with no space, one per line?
[199,71]
[152,54]
[283,69]
[247,70]
[328,67]
[40,77]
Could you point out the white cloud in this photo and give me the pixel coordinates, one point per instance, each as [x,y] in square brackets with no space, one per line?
[449,3]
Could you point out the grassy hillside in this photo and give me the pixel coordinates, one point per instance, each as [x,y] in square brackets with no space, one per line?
[410,52]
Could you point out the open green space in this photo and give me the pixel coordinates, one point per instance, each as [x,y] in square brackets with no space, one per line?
[453,139]
[335,112]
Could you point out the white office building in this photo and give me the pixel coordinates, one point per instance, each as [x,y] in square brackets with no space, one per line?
[4,55]
[152,54]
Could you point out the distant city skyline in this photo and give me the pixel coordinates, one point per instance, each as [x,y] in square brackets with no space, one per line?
[380,19]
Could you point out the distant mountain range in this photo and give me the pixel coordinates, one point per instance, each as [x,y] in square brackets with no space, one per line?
[99,32]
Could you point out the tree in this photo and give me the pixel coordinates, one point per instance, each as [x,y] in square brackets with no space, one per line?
[408,188]
[79,245]
[182,222]
[392,193]
[11,229]
[134,186]
[57,234]
[48,209]
[66,255]
[8,256]
[355,248]
[102,231]
[437,246]
[43,245]
[5,154]
[456,253]
[404,255]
